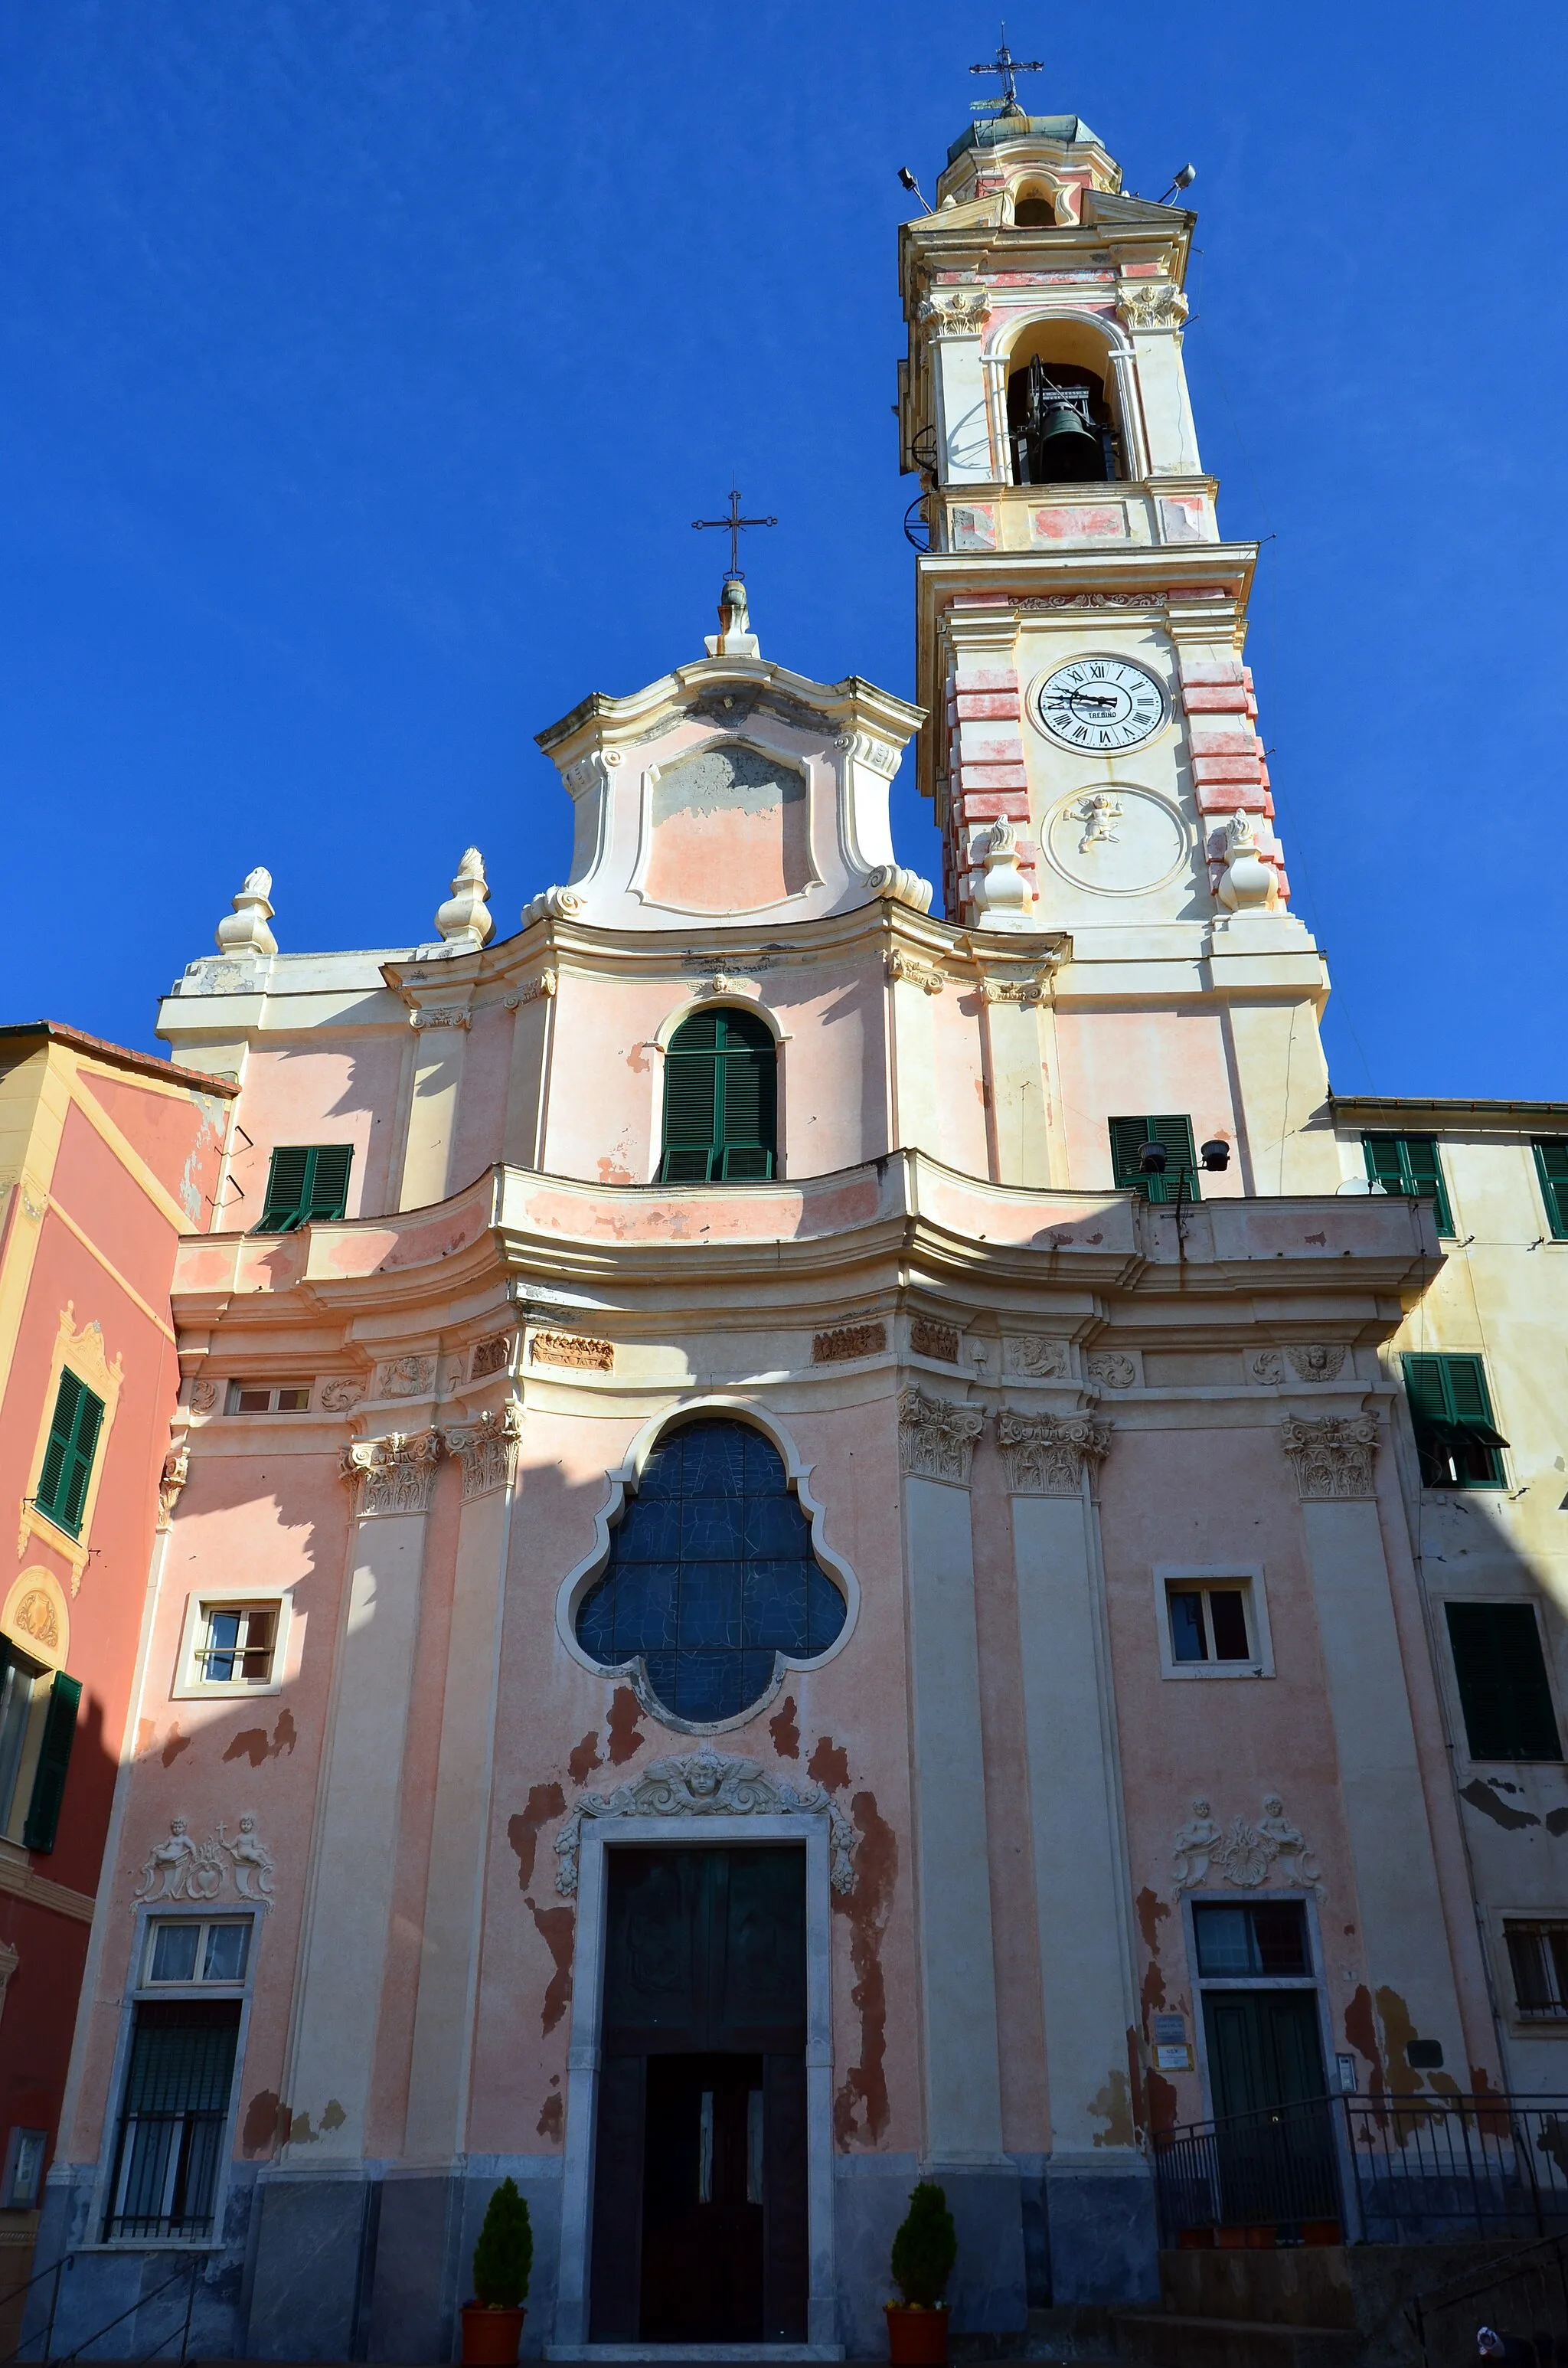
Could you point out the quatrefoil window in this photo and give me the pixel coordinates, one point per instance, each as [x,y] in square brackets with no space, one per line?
[711,1581]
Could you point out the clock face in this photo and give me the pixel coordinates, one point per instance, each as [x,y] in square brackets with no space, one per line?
[1100,704]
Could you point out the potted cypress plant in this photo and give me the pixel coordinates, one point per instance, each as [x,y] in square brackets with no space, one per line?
[923,2253]
[503,2262]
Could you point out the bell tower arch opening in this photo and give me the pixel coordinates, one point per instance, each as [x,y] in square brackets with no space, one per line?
[1034,207]
[1062,426]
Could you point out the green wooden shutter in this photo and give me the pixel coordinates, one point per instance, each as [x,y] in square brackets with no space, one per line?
[1551,1168]
[749,1076]
[326,1195]
[307,1183]
[68,1454]
[54,1760]
[721,1099]
[1409,1164]
[1425,1172]
[286,1182]
[1450,1410]
[1128,1136]
[1504,1689]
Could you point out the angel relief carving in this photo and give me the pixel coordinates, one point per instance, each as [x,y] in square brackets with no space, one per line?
[1244,1855]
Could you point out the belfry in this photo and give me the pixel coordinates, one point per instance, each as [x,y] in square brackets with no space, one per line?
[787,1565]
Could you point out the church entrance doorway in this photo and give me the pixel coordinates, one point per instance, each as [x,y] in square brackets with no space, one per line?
[699,2230]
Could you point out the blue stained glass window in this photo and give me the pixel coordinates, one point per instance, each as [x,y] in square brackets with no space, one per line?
[710,1575]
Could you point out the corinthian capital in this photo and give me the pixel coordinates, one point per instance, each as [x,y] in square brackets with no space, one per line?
[1048,1454]
[392,1474]
[936,1438]
[487,1449]
[1332,1453]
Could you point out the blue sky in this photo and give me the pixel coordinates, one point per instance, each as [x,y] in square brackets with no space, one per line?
[362,367]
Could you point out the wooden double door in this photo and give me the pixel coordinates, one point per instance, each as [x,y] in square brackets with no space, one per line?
[699,2183]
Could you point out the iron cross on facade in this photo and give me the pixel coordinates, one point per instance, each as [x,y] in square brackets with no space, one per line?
[1006,65]
[734,523]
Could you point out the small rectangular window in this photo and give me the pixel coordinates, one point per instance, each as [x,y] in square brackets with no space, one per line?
[68,1454]
[21,2186]
[306,1184]
[238,1644]
[1538,1953]
[1450,1409]
[267,1397]
[1239,1943]
[1174,1135]
[1505,1692]
[1552,1171]
[186,1949]
[1209,1623]
[1409,1164]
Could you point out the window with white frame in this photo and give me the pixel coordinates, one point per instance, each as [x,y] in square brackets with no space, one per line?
[233,1645]
[237,1642]
[1212,1624]
[268,1398]
[177,2087]
[1537,1956]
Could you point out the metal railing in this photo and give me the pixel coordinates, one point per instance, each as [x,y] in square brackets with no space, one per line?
[28,2349]
[1405,2170]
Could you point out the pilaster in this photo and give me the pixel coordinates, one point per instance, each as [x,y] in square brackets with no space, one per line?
[1409,1959]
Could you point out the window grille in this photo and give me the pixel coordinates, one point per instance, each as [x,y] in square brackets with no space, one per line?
[712,1575]
[174,2117]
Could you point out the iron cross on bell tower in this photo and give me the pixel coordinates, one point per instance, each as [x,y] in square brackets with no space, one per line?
[1006,65]
[734,637]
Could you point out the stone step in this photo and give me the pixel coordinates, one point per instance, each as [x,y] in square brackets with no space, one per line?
[1079,2333]
[1171,2340]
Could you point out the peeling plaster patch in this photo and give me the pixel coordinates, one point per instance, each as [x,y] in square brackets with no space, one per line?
[582,1760]
[610,1173]
[335,2116]
[1113,2105]
[1481,1795]
[556,1927]
[784,1730]
[300,2130]
[174,1744]
[545,1801]
[625,1733]
[1398,2033]
[1362,2032]
[266,2120]
[829,1764]
[1162,2096]
[552,2122]
[860,2106]
[256,1746]
[1557,1822]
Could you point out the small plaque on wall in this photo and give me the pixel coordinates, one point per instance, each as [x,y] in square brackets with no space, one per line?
[1173,2059]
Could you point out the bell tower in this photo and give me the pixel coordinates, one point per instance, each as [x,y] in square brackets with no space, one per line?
[1080,619]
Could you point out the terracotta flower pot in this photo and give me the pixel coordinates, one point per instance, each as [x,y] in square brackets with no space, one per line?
[916,2337]
[491,2335]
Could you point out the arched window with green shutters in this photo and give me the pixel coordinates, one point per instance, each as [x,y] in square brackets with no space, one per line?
[721,1101]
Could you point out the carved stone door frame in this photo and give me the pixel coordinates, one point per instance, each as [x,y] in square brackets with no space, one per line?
[583,2058]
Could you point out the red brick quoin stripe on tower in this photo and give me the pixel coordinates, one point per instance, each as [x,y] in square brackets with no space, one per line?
[1228,769]
[986,781]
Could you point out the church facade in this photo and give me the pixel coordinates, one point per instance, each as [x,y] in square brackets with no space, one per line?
[791,1567]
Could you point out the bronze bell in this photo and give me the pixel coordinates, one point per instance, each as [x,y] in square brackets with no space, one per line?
[1067,451]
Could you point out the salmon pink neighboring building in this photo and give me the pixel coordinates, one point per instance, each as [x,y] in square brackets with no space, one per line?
[795,1567]
[107,1159]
